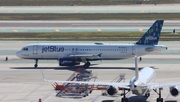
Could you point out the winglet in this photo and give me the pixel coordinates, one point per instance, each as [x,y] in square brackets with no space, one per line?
[151,37]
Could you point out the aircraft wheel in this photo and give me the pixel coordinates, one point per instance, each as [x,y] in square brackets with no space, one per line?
[124,100]
[147,94]
[159,100]
[87,64]
[36,65]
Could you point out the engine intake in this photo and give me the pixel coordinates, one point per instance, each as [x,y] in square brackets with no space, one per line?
[111,90]
[174,91]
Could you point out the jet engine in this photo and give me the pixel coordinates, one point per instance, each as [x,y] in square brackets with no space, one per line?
[111,90]
[68,62]
[174,91]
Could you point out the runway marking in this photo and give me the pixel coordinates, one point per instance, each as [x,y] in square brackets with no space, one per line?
[31,91]
[4,97]
[57,30]
[10,11]
[19,42]
[95,99]
[140,29]
[99,29]
[142,11]
[76,11]
[15,30]
[49,94]
[23,88]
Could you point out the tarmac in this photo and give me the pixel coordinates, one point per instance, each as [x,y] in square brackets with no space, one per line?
[160,8]
[20,82]
[32,26]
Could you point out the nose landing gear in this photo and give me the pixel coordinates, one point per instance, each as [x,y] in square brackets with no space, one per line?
[36,63]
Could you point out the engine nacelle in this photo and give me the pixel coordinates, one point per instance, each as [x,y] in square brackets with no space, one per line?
[111,90]
[68,62]
[174,91]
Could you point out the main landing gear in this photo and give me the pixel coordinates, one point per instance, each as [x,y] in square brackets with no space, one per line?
[124,99]
[87,64]
[36,63]
[159,99]
[147,94]
[140,59]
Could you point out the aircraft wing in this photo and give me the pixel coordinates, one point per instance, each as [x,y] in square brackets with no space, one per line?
[121,85]
[161,85]
[85,55]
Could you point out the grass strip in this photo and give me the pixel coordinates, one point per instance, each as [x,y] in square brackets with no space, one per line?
[90,36]
[81,2]
[84,16]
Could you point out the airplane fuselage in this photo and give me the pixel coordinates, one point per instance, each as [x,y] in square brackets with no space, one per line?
[108,51]
[146,75]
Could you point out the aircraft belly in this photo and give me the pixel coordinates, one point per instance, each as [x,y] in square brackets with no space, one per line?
[110,56]
[115,56]
[139,91]
[49,55]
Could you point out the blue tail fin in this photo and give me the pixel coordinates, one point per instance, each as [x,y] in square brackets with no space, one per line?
[151,37]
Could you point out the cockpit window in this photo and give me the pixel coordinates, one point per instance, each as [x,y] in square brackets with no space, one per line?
[25,49]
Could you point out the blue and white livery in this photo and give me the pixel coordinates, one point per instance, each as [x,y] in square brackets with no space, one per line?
[73,54]
[141,84]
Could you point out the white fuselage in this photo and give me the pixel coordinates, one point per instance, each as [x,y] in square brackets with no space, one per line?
[139,87]
[107,51]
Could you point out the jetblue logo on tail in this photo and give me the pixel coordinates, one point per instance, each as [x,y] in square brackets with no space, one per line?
[151,37]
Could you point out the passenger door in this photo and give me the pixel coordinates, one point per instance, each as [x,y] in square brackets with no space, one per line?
[133,50]
[35,49]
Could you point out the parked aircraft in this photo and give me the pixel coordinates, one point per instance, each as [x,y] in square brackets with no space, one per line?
[141,84]
[73,54]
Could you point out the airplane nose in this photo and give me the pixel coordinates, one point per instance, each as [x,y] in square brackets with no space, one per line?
[18,54]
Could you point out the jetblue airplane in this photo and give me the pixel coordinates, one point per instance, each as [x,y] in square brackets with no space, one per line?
[141,84]
[73,54]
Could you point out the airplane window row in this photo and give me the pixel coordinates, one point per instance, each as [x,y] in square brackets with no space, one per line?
[96,50]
